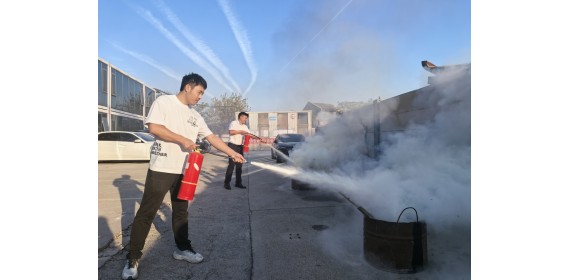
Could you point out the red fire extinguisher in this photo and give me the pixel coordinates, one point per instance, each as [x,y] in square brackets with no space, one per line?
[246,143]
[190,178]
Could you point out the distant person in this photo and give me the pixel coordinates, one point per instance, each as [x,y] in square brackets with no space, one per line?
[237,129]
[176,125]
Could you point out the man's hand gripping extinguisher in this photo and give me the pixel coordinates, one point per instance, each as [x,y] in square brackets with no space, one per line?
[191,174]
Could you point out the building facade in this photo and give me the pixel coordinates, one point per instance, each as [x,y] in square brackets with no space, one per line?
[270,124]
[123,101]
[321,113]
[267,125]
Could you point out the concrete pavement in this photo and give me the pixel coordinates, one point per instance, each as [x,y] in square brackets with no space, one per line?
[267,231]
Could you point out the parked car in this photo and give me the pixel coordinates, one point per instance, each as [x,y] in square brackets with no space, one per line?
[285,143]
[124,146]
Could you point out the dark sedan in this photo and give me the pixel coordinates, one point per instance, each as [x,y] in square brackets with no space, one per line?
[285,143]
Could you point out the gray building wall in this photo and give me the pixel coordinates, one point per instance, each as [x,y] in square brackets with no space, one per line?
[317,108]
[416,107]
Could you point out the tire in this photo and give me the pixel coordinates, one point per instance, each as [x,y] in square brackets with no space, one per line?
[279,159]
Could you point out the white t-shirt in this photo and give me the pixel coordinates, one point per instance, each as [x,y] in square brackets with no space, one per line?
[237,139]
[181,119]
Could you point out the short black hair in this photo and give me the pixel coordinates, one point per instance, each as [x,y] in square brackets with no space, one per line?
[243,113]
[193,80]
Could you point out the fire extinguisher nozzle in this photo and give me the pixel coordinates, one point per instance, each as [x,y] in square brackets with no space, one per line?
[235,160]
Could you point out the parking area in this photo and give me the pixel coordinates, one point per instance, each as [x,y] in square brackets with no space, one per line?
[267,231]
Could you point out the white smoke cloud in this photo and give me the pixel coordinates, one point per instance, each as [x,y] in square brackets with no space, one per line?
[427,166]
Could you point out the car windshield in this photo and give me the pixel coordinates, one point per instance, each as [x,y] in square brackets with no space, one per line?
[145,136]
[292,138]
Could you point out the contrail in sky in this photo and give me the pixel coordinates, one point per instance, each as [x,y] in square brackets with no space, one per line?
[241,36]
[197,43]
[318,33]
[192,55]
[169,72]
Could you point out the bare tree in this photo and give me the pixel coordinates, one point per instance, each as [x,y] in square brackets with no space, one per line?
[219,112]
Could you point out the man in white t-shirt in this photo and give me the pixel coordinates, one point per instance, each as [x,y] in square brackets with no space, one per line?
[237,131]
[176,125]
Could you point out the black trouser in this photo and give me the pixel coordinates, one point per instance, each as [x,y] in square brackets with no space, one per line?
[231,164]
[156,186]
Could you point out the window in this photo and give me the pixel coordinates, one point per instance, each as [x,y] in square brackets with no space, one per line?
[292,138]
[127,94]
[149,99]
[282,122]
[126,123]
[102,84]
[146,136]
[109,136]
[114,82]
[303,122]
[263,124]
[103,125]
[127,137]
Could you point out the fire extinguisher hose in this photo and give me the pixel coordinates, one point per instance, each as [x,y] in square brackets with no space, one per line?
[247,168]
[218,155]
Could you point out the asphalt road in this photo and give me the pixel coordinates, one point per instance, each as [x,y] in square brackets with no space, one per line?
[267,231]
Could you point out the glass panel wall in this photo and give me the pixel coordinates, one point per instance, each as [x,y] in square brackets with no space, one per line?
[126,123]
[103,125]
[126,93]
[149,99]
[102,83]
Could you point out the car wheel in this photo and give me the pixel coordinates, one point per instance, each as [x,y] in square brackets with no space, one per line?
[279,159]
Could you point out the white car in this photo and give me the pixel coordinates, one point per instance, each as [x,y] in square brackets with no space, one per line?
[124,145]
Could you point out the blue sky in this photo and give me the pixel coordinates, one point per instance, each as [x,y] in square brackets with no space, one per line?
[48,54]
[282,54]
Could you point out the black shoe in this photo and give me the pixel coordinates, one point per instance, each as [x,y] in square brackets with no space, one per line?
[240,186]
[227,187]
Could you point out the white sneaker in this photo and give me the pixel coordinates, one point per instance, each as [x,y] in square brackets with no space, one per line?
[131,270]
[188,255]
